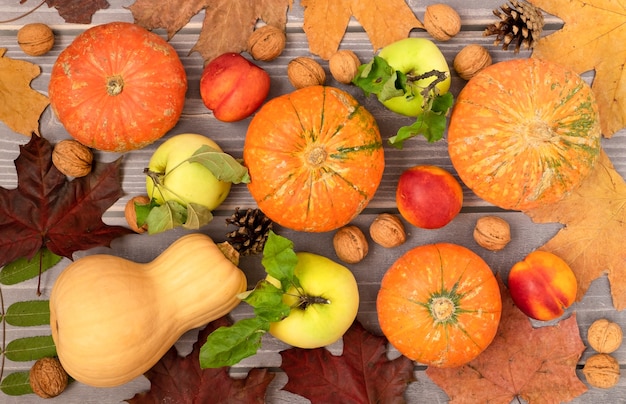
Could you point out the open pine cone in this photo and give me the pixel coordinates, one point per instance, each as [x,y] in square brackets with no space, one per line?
[253,227]
[520,25]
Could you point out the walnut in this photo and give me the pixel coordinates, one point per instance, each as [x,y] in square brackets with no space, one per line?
[304,72]
[387,230]
[602,370]
[604,336]
[131,214]
[492,233]
[470,60]
[350,244]
[442,22]
[344,66]
[47,377]
[72,158]
[35,39]
[266,43]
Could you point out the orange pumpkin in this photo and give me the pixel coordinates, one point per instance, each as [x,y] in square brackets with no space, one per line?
[439,304]
[315,158]
[118,87]
[524,133]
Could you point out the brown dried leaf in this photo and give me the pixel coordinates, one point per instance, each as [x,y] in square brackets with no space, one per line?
[77,11]
[21,105]
[592,38]
[325,22]
[171,15]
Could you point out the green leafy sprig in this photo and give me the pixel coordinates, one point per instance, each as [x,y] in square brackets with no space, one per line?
[379,78]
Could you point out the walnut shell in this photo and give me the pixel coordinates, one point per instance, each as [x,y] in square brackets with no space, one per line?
[602,370]
[492,233]
[35,39]
[72,158]
[470,60]
[47,377]
[131,214]
[350,244]
[344,66]
[442,22]
[604,336]
[304,72]
[387,230]
[266,43]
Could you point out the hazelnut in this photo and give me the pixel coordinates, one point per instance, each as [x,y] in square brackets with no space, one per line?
[350,244]
[266,43]
[35,39]
[604,336]
[470,60]
[130,213]
[492,233]
[387,230]
[47,377]
[344,66]
[442,22]
[602,370]
[72,158]
[304,72]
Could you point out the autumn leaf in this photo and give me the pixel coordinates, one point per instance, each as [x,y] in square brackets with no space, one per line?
[595,227]
[21,105]
[362,374]
[592,38]
[536,364]
[77,11]
[326,21]
[47,210]
[175,379]
[171,15]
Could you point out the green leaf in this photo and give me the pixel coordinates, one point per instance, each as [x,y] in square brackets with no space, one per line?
[227,346]
[197,216]
[167,216]
[30,348]
[23,269]
[143,210]
[374,76]
[267,301]
[28,313]
[279,260]
[222,165]
[16,384]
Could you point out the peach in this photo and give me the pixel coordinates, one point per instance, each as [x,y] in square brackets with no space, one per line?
[428,196]
[233,87]
[542,285]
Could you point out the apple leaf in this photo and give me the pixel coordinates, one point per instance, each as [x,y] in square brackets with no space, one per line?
[362,374]
[431,123]
[175,379]
[222,165]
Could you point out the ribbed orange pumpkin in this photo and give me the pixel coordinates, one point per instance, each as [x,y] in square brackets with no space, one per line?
[524,133]
[315,158]
[439,304]
[118,87]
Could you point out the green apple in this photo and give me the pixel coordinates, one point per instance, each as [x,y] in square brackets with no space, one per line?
[171,177]
[323,308]
[415,57]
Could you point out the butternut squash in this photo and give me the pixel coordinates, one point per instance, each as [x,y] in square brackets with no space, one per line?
[112,319]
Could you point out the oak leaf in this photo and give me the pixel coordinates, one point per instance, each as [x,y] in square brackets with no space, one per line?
[536,364]
[47,210]
[21,105]
[361,374]
[77,11]
[326,21]
[176,379]
[592,240]
[593,37]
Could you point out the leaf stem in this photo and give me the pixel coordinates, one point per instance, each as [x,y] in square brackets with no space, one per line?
[4,334]
[32,10]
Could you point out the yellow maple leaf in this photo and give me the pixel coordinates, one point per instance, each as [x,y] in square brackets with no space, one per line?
[592,241]
[326,21]
[593,37]
[21,105]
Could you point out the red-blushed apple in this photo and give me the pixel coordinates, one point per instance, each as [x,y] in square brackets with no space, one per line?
[428,197]
[542,285]
[233,87]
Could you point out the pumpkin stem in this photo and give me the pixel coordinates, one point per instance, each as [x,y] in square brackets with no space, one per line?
[442,309]
[316,156]
[115,85]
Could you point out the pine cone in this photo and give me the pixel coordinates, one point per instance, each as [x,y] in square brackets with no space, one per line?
[520,25]
[251,234]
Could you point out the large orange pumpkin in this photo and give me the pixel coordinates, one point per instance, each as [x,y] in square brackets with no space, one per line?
[439,304]
[524,133]
[315,158]
[118,87]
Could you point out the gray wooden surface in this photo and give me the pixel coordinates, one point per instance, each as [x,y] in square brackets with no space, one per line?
[526,235]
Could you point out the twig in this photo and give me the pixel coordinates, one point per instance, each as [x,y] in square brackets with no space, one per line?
[25,14]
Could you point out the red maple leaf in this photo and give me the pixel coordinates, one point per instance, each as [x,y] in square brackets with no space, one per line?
[361,374]
[47,210]
[175,379]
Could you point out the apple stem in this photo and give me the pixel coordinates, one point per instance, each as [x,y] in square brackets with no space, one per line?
[439,77]
[306,301]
